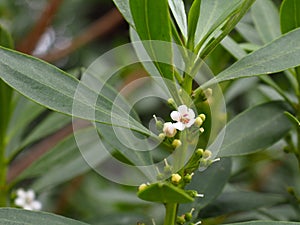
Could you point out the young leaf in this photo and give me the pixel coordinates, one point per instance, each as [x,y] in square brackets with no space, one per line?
[12,216]
[165,193]
[178,11]
[255,129]
[57,90]
[152,22]
[279,55]
[212,15]
[289,15]
[193,18]
[266,19]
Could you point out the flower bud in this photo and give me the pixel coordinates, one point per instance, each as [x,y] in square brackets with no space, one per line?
[180,220]
[169,129]
[142,187]
[176,178]
[172,103]
[202,116]
[201,129]
[176,143]
[199,152]
[161,136]
[188,178]
[198,121]
[206,154]
[208,92]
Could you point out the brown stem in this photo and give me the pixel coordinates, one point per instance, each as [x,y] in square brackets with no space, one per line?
[99,28]
[29,43]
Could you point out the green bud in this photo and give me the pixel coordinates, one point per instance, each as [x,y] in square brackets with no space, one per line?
[198,122]
[180,220]
[188,178]
[202,116]
[199,152]
[172,103]
[176,143]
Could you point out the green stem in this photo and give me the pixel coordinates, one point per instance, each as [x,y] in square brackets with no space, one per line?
[3,171]
[297,153]
[171,213]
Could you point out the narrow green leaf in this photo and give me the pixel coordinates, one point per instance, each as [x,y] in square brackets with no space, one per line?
[279,55]
[178,11]
[289,15]
[165,193]
[266,19]
[124,8]
[255,129]
[193,18]
[57,90]
[12,216]
[152,22]
[265,223]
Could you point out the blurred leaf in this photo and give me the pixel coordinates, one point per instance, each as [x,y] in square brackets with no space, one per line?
[239,201]
[289,15]
[152,22]
[59,91]
[210,183]
[256,128]
[265,223]
[279,55]
[49,125]
[266,19]
[178,11]
[63,162]
[25,112]
[5,38]
[165,193]
[11,216]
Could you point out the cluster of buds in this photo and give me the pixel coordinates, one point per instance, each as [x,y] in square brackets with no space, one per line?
[183,219]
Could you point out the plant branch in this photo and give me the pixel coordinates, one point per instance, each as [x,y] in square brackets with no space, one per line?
[31,40]
[99,28]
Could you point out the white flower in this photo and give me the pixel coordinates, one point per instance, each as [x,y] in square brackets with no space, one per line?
[169,129]
[26,200]
[185,117]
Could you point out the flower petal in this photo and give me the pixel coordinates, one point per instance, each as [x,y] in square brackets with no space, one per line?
[20,202]
[30,194]
[179,126]
[190,123]
[175,115]
[36,205]
[183,109]
[191,114]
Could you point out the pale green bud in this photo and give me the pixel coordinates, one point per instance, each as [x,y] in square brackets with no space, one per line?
[176,143]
